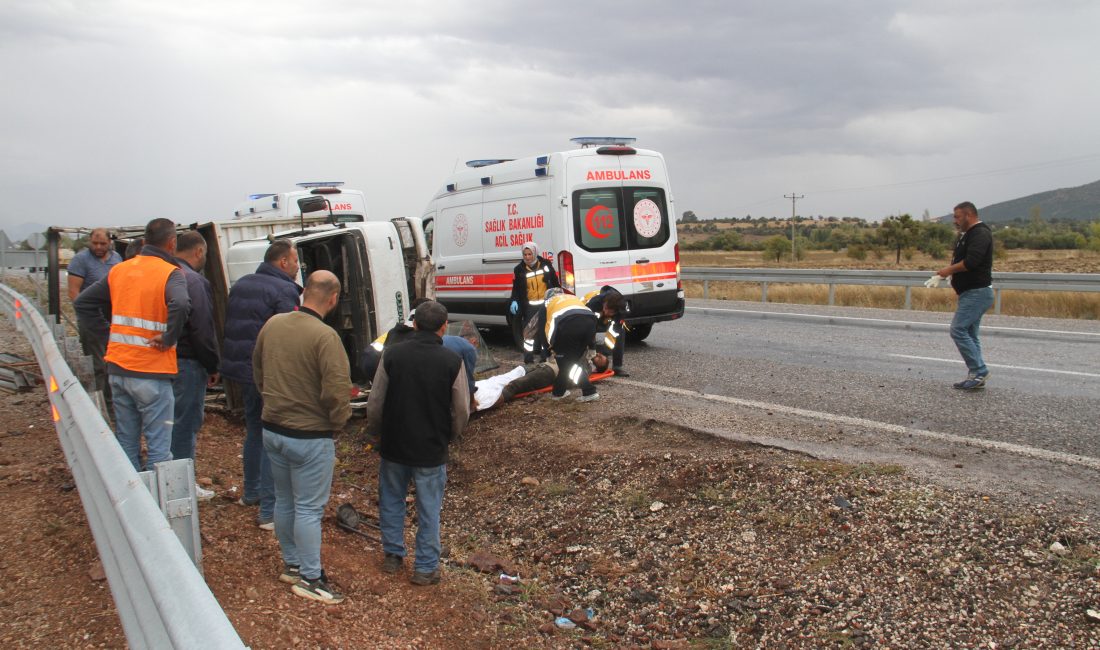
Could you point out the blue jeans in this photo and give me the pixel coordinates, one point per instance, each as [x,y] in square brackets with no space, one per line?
[143,406]
[973,303]
[189,389]
[302,468]
[258,485]
[393,485]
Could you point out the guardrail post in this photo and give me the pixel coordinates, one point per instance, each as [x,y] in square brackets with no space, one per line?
[172,484]
[996,301]
[908,297]
[763,292]
[832,294]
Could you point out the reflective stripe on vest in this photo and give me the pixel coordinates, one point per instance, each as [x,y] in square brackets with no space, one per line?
[138,314]
[559,307]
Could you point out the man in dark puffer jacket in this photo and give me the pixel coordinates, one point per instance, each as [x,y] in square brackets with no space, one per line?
[252,301]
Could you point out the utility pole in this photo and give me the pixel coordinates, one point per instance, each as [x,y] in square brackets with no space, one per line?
[794,199]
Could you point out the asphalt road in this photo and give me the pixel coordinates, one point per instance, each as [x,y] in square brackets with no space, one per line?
[861,384]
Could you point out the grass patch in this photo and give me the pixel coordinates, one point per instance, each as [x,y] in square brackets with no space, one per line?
[636,499]
[557,489]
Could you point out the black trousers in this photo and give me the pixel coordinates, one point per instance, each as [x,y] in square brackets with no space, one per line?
[573,338]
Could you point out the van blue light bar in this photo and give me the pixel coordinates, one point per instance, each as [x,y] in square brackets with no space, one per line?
[542,161]
[312,184]
[592,141]
[485,162]
[253,197]
[451,187]
[486,180]
[540,171]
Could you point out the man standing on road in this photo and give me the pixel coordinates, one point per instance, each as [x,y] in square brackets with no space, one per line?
[252,301]
[85,269]
[419,403]
[301,369]
[149,306]
[971,273]
[197,352]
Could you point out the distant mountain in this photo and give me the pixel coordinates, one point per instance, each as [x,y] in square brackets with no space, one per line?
[1071,203]
[20,232]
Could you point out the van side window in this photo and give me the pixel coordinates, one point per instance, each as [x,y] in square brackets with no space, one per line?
[647,215]
[597,219]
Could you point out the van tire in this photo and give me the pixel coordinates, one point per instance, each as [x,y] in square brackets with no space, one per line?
[638,333]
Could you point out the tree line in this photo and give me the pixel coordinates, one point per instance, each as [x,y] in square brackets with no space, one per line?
[895,235]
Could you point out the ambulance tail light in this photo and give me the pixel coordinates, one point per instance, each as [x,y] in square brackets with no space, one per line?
[679,282]
[565,265]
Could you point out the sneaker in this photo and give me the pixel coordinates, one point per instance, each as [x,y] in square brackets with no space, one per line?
[422,579]
[589,398]
[559,397]
[391,563]
[972,383]
[318,589]
[266,525]
[620,372]
[248,503]
[290,575]
[202,494]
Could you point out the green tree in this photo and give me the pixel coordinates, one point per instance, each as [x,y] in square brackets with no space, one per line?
[776,247]
[898,233]
[689,217]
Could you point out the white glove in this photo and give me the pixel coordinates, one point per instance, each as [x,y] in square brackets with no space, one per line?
[935,282]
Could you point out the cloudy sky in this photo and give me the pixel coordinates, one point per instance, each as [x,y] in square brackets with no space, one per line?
[118,111]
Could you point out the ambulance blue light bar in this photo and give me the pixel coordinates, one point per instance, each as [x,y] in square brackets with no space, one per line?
[485,162]
[486,180]
[452,187]
[602,140]
[540,171]
[312,184]
[542,161]
[253,197]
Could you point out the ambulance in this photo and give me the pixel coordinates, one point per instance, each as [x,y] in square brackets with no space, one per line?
[603,213]
[345,205]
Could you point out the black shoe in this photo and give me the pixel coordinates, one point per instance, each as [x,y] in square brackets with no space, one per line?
[290,575]
[391,563]
[319,589]
[620,372]
[422,579]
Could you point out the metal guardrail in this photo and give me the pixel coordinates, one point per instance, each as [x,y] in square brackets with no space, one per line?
[160,595]
[1084,282]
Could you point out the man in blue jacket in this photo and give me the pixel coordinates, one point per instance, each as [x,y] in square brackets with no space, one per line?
[252,301]
[196,352]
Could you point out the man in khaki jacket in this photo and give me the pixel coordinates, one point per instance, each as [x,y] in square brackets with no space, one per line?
[301,369]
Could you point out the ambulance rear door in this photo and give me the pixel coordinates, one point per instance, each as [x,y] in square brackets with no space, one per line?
[599,252]
[650,234]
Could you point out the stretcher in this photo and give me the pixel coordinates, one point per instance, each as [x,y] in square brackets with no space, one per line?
[593,377]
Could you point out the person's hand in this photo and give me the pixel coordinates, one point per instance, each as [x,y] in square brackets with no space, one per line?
[157,343]
[935,282]
[945,272]
[212,380]
[514,308]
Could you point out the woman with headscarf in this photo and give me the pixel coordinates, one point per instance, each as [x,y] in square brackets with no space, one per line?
[533,277]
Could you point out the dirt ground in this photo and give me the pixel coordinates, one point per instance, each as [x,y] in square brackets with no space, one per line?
[642,532]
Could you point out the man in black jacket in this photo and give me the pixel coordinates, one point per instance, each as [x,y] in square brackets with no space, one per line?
[196,352]
[971,272]
[419,403]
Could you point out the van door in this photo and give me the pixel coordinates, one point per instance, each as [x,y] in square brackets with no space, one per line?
[600,252]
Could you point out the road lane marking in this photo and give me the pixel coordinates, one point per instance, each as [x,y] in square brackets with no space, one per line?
[906,323]
[1002,365]
[1012,448]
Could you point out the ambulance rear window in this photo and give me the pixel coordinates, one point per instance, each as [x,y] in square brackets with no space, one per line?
[597,222]
[620,218]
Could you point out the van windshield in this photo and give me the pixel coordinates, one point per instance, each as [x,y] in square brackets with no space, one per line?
[620,218]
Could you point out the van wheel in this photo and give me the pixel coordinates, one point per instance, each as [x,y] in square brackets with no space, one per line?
[638,333]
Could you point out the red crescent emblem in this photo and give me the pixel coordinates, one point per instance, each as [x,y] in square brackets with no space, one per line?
[605,215]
